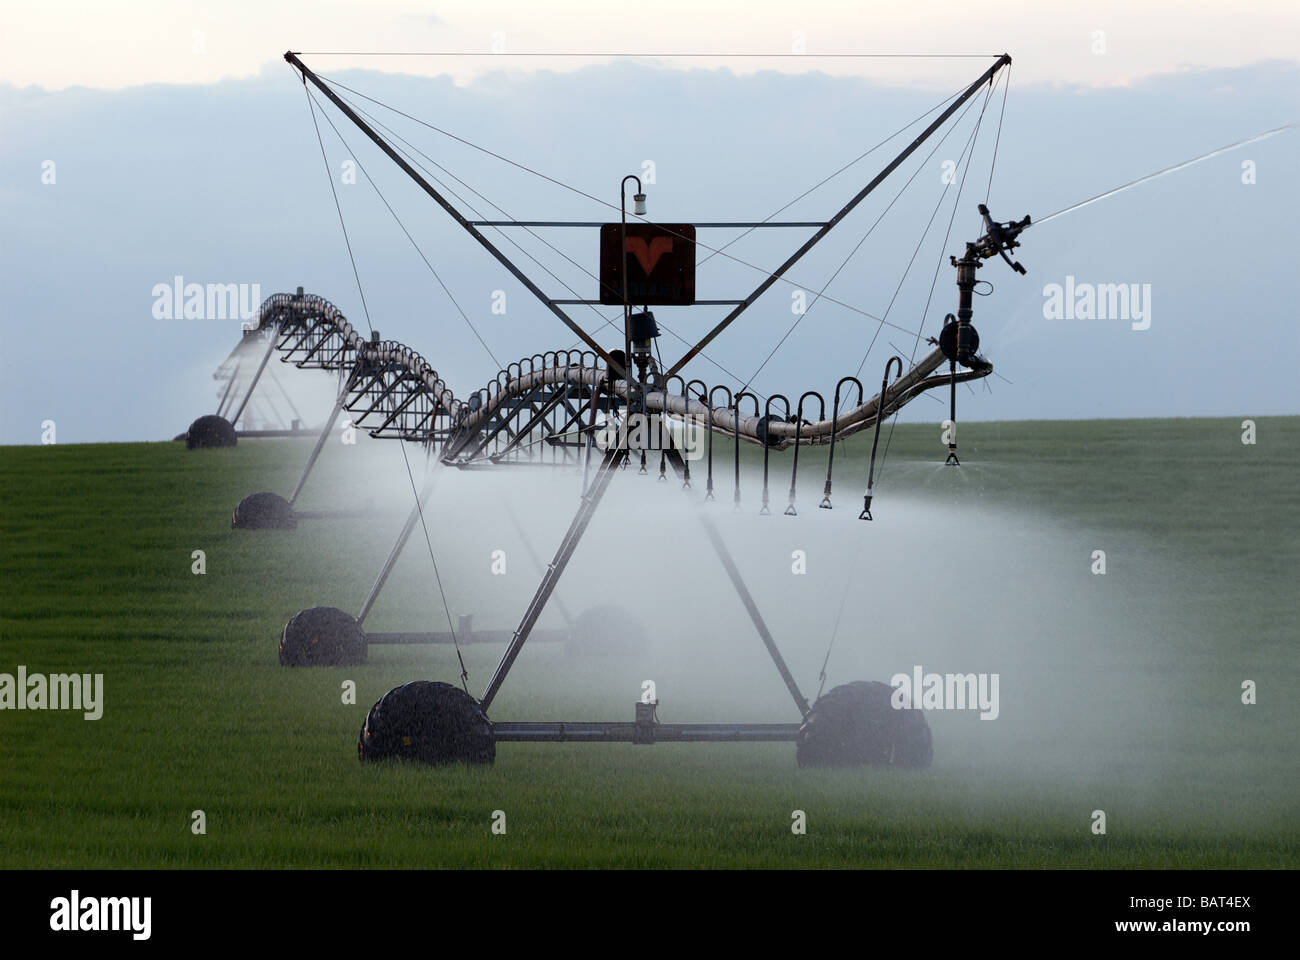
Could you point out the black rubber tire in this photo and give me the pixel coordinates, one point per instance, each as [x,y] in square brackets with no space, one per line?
[913,741]
[430,722]
[322,637]
[210,432]
[606,631]
[856,725]
[263,511]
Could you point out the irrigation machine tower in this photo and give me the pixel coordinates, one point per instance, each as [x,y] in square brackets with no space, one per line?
[592,408]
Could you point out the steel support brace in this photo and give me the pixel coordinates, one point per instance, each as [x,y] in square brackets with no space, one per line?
[844,211]
[411,519]
[594,731]
[270,346]
[534,558]
[229,387]
[438,198]
[556,398]
[320,441]
[464,636]
[287,399]
[503,423]
[586,508]
[737,581]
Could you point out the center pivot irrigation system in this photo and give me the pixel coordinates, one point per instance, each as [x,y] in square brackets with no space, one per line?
[562,407]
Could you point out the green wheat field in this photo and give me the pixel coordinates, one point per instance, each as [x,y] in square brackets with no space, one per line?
[1203,540]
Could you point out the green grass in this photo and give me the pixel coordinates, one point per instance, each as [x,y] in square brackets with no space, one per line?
[95,564]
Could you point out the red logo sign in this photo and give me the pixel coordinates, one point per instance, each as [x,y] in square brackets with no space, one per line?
[648,254]
[653,262]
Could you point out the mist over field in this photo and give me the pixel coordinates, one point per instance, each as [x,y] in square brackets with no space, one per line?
[1102,677]
[1112,566]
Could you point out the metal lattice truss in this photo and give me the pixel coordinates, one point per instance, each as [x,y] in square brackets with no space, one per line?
[541,402]
[270,412]
[560,405]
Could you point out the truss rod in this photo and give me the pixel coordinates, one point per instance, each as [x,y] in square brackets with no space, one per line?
[234,375]
[554,570]
[694,303]
[738,224]
[270,346]
[407,528]
[438,198]
[320,441]
[812,241]
[536,560]
[724,555]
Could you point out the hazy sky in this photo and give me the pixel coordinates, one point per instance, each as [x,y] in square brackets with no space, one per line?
[170,140]
[59,43]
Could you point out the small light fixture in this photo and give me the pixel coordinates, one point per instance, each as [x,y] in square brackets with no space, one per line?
[638,204]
